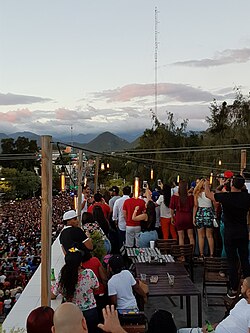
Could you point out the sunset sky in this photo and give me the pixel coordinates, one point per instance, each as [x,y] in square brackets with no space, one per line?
[90,64]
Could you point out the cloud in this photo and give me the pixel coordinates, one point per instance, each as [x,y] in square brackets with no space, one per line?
[229,56]
[66,114]
[17,116]
[14,99]
[173,91]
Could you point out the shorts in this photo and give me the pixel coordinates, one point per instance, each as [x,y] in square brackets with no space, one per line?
[204,217]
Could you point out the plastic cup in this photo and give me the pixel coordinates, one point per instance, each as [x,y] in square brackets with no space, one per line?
[143,277]
[171,280]
[152,244]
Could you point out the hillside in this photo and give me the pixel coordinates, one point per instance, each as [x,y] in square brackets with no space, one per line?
[107,142]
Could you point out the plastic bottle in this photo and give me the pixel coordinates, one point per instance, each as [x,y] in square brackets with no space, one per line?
[209,327]
[52,275]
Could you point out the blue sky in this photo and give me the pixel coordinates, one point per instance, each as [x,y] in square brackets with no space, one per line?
[90,64]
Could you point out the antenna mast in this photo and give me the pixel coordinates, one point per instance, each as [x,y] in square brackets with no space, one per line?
[156,59]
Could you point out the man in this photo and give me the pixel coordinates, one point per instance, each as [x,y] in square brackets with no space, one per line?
[68,318]
[238,320]
[118,216]
[99,201]
[114,196]
[133,228]
[72,235]
[236,205]
[85,198]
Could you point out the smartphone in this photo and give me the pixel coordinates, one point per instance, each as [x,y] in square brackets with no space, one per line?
[145,184]
[159,182]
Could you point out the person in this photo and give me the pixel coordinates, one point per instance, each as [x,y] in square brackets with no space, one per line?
[238,319]
[97,222]
[77,285]
[203,216]
[147,220]
[133,228]
[236,205]
[72,235]
[161,321]
[181,206]
[114,190]
[69,318]
[165,213]
[121,285]
[99,201]
[85,198]
[118,216]
[40,320]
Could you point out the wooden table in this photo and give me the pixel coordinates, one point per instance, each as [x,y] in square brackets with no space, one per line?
[144,255]
[183,286]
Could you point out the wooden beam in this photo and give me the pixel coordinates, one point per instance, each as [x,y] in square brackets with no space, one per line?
[80,169]
[46,225]
[97,162]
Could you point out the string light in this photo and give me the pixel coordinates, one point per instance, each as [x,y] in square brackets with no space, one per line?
[136,187]
[152,174]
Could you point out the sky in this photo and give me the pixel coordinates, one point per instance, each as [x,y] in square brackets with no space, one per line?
[90,65]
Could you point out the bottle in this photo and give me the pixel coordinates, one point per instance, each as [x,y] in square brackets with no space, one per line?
[52,275]
[209,327]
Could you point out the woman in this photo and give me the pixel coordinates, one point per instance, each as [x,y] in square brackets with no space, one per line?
[165,213]
[97,222]
[77,285]
[203,216]
[40,320]
[148,220]
[100,294]
[181,206]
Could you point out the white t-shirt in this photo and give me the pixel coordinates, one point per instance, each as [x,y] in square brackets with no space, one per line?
[121,285]
[203,201]
[164,210]
[238,321]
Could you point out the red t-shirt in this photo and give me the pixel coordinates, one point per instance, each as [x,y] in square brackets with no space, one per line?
[129,206]
[105,208]
[94,264]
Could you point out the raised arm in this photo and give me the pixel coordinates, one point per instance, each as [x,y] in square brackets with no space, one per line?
[208,193]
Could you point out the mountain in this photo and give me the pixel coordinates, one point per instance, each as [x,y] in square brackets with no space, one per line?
[107,142]
[80,138]
[29,135]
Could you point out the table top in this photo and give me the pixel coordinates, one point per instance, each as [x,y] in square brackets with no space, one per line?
[173,268]
[143,255]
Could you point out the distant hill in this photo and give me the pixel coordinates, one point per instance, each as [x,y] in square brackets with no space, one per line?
[107,142]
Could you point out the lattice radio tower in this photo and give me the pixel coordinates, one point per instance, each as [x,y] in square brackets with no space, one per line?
[156,60]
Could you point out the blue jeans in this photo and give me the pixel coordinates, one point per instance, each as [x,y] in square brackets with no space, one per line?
[147,236]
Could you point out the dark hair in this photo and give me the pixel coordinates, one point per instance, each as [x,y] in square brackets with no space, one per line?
[69,274]
[150,211]
[238,182]
[99,217]
[166,191]
[126,190]
[98,197]
[183,193]
[162,321]
[40,320]
[87,218]
[116,263]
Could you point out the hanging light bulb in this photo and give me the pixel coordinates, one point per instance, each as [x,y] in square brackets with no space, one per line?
[85,181]
[178,179]
[62,182]
[136,187]
[75,202]
[152,173]
[220,162]
[102,166]
[211,178]
[107,165]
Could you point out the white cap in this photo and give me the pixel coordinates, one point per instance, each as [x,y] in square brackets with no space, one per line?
[69,215]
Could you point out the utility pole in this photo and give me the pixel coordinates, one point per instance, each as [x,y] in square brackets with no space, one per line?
[156,60]
[46,225]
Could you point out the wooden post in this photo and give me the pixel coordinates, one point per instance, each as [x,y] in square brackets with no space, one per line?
[97,162]
[79,204]
[243,160]
[46,226]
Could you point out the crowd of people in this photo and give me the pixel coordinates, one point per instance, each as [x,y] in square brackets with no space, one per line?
[95,273]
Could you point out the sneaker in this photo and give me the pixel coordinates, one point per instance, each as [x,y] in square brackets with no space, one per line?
[231,293]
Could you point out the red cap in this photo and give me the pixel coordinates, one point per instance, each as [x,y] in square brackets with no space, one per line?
[228,174]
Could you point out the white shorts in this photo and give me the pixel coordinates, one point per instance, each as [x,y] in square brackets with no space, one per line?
[132,236]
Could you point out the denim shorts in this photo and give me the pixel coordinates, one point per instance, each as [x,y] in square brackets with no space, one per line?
[147,236]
